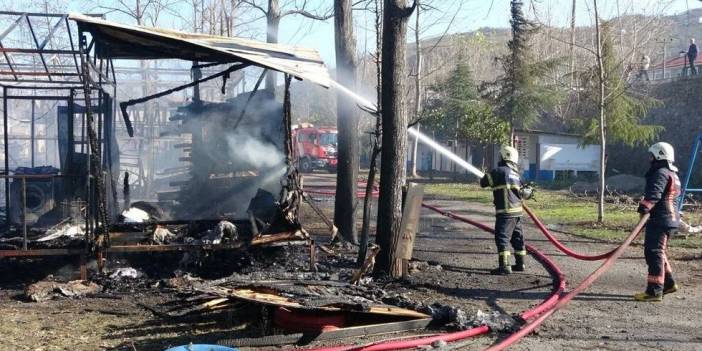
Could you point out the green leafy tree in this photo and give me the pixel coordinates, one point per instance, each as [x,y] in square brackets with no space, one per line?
[623,109]
[519,96]
[618,114]
[455,110]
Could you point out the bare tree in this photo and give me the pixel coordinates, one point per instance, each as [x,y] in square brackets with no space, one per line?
[274,14]
[394,139]
[417,85]
[375,147]
[347,123]
[572,45]
[601,106]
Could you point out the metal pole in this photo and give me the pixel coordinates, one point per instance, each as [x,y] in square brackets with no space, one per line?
[24,213]
[31,137]
[70,149]
[82,129]
[690,170]
[7,156]
[665,54]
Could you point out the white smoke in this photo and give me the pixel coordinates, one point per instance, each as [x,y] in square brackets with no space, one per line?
[246,149]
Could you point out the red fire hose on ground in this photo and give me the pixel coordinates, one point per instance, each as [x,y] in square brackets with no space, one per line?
[557,303]
[359,194]
[562,247]
[569,296]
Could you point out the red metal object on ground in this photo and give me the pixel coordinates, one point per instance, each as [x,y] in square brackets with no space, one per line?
[292,320]
[315,148]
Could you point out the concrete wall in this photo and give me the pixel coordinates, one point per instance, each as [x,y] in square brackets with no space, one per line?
[680,114]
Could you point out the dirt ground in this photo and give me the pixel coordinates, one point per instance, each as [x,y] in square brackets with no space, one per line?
[603,318]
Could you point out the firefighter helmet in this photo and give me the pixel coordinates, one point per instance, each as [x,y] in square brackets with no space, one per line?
[662,151]
[509,154]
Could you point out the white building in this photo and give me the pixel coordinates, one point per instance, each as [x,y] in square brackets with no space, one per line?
[546,156]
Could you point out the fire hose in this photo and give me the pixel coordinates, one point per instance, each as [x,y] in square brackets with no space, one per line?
[359,194]
[547,304]
[559,245]
[564,300]
[541,312]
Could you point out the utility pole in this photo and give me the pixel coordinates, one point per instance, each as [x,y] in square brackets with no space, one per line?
[665,53]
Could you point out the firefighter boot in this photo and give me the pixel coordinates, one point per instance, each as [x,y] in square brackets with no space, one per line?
[669,285]
[519,261]
[504,264]
[644,296]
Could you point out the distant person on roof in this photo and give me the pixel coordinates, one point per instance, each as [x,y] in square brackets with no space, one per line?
[643,67]
[692,56]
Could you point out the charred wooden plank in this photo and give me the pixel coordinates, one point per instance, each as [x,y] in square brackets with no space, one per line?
[306,338]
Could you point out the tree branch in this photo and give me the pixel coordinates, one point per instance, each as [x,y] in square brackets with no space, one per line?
[302,10]
[308,14]
[256,6]
[407,11]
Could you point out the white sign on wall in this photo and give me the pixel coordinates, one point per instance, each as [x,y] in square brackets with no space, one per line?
[569,157]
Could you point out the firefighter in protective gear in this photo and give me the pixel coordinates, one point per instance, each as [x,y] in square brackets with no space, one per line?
[507,192]
[661,202]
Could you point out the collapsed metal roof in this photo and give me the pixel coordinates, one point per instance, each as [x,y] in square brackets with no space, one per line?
[120,41]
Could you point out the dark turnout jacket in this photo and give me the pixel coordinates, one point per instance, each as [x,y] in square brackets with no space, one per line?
[506,185]
[692,50]
[661,195]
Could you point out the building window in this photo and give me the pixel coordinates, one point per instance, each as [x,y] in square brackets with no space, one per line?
[523,148]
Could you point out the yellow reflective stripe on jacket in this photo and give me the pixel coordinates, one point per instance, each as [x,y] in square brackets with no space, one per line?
[510,210]
[489,179]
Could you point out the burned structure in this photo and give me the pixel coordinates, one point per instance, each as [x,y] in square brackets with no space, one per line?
[235,157]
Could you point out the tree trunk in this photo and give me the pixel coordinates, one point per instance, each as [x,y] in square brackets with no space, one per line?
[365,228]
[417,89]
[394,139]
[603,121]
[273,24]
[347,123]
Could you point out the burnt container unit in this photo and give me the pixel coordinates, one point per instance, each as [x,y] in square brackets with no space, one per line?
[235,166]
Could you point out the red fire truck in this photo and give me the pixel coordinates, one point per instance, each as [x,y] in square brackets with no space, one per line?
[315,148]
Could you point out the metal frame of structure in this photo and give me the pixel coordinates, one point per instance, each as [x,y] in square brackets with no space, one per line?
[81,76]
[63,83]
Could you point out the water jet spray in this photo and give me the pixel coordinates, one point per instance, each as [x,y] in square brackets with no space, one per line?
[444,151]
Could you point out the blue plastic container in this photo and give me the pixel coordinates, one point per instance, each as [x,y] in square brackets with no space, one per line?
[201,347]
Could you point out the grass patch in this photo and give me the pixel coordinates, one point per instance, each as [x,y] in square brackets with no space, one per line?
[574,214]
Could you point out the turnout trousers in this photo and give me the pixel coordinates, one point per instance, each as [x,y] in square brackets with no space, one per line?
[508,230]
[660,274]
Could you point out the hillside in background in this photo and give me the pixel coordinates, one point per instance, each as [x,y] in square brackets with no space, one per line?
[636,35]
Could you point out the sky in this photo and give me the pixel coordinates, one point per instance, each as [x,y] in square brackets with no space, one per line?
[449,16]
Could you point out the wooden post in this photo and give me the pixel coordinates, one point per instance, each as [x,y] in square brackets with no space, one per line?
[409,225]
